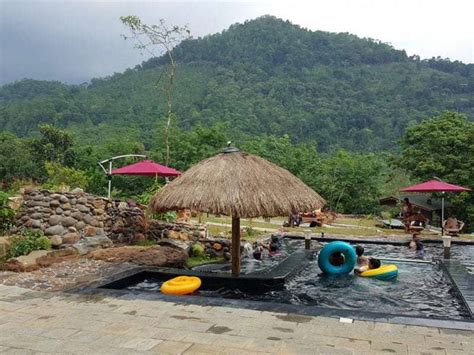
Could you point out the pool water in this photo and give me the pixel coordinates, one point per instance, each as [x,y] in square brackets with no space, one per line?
[419,290]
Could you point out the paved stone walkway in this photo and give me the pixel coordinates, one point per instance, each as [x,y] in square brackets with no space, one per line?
[49,322]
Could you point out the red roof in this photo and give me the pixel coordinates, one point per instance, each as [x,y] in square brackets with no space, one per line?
[147,168]
[434,186]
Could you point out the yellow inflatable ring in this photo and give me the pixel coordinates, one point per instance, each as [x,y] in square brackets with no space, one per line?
[385,272]
[181,285]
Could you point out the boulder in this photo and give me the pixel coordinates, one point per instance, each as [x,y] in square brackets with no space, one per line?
[66,206]
[67,213]
[68,222]
[33,223]
[72,230]
[73,201]
[71,238]
[54,220]
[63,199]
[59,210]
[77,190]
[55,196]
[87,218]
[185,246]
[36,215]
[55,230]
[87,245]
[56,241]
[25,262]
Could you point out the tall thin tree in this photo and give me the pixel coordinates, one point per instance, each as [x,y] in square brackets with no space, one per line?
[163,38]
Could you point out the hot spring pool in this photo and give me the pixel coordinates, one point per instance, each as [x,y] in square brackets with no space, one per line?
[420,289]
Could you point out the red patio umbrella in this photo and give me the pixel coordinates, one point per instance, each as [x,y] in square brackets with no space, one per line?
[146,168]
[436,186]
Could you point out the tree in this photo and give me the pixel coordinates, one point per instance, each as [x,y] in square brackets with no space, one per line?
[165,39]
[443,146]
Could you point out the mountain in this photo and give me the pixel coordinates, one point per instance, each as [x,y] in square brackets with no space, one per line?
[265,76]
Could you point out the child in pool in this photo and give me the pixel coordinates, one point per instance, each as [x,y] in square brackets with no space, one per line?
[373,264]
[362,261]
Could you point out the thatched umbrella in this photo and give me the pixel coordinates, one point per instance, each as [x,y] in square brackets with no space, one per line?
[240,185]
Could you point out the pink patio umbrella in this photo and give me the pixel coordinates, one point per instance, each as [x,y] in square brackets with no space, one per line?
[146,168]
[436,186]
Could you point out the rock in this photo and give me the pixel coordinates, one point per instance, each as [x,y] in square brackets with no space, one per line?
[94,222]
[213,253]
[55,196]
[77,190]
[67,213]
[82,200]
[66,206]
[25,262]
[36,215]
[54,220]
[24,218]
[72,230]
[77,215]
[217,246]
[59,210]
[73,201]
[80,225]
[63,199]
[54,203]
[38,198]
[87,245]
[87,218]
[33,223]
[180,244]
[56,241]
[55,230]
[71,238]
[68,222]
[227,256]
[90,231]
[83,208]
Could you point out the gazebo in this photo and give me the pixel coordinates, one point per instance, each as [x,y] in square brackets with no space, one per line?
[240,185]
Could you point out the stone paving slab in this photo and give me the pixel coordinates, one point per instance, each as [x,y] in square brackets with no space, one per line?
[33,322]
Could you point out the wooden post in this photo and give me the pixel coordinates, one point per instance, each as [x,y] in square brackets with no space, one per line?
[235,246]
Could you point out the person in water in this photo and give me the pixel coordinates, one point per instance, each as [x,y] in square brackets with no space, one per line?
[419,248]
[362,261]
[337,259]
[372,264]
[273,249]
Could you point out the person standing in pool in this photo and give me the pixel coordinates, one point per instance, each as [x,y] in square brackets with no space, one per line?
[362,261]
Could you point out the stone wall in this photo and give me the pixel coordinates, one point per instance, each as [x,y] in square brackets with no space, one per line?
[69,217]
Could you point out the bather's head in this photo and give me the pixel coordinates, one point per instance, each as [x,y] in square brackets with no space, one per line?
[374,263]
[359,250]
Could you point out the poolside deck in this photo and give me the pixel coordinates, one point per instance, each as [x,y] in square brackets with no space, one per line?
[57,322]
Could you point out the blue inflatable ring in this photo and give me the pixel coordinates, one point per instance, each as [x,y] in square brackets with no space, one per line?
[346,249]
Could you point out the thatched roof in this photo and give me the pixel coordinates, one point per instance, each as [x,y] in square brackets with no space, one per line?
[240,185]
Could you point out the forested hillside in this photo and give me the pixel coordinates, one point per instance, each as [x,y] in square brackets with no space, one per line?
[263,77]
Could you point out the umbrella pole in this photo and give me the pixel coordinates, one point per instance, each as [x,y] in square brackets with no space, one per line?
[235,246]
[442,215]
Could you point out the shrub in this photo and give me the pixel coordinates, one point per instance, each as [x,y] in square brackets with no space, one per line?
[7,215]
[61,176]
[27,242]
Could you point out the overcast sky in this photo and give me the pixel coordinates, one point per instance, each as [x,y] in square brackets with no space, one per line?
[73,41]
